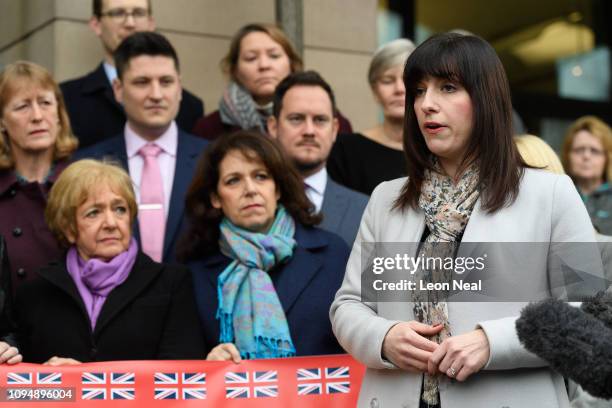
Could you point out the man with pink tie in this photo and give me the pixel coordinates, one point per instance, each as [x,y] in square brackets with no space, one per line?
[159,156]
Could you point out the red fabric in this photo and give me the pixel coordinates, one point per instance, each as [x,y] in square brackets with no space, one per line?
[328,381]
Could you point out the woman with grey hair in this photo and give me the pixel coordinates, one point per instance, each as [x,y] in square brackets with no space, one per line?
[361,161]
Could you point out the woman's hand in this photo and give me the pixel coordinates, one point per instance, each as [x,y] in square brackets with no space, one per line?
[9,354]
[224,352]
[461,356]
[406,346]
[60,361]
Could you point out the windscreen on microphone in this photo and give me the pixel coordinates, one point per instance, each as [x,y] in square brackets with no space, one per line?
[575,343]
[600,307]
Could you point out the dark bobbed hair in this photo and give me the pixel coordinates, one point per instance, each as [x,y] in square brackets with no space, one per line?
[305,78]
[143,43]
[229,63]
[203,235]
[97,8]
[471,62]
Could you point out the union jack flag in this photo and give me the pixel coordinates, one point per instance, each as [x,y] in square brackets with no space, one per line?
[30,379]
[102,385]
[264,384]
[330,380]
[187,386]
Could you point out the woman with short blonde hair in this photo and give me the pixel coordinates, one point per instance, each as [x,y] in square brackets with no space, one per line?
[104,291]
[587,158]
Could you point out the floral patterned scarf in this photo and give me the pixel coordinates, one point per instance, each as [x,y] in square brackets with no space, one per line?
[447,207]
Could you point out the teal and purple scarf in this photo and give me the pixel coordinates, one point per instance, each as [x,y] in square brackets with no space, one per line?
[250,313]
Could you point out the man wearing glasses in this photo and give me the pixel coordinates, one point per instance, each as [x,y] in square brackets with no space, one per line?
[94,113]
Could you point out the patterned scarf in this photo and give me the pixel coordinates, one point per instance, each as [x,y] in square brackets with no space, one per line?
[250,313]
[237,108]
[447,209]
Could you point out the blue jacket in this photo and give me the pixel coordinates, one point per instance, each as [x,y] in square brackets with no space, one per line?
[188,150]
[306,287]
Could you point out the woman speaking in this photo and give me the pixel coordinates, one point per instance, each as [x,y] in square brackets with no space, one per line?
[466,183]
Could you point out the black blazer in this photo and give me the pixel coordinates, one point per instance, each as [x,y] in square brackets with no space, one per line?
[152,315]
[95,115]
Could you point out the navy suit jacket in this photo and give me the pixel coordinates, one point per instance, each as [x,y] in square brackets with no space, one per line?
[342,210]
[95,114]
[188,150]
[306,286]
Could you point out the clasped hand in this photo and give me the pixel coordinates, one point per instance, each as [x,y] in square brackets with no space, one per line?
[407,346]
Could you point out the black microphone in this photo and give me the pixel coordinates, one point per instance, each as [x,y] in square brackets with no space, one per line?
[576,343]
[600,307]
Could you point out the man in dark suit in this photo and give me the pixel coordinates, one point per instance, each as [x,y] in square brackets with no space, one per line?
[94,112]
[305,124]
[159,156]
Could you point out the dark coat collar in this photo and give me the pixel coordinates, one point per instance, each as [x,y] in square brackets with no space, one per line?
[143,272]
[8,178]
[96,81]
[295,275]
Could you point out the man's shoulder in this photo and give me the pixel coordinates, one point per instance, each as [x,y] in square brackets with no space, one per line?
[190,98]
[112,145]
[192,140]
[355,197]
[81,83]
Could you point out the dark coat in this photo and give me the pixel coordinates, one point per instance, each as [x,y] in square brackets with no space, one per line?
[188,150]
[29,242]
[152,315]
[210,127]
[95,115]
[306,287]
[6,316]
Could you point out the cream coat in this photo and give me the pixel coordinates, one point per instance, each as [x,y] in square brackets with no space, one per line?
[547,209]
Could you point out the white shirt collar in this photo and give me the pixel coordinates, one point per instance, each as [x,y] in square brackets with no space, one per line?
[168,141]
[317,181]
[111,72]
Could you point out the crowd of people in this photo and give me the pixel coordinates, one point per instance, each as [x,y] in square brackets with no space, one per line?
[149,230]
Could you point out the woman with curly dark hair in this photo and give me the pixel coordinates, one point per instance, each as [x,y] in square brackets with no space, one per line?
[264,276]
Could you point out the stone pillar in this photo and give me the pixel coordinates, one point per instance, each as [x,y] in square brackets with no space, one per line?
[289,15]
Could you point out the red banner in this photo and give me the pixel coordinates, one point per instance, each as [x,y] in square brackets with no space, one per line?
[322,381]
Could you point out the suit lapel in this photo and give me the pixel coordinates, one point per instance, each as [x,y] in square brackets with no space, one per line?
[186,158]
[333,208]
[97,81]
[143,272]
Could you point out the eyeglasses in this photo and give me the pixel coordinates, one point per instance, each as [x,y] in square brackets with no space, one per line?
[584,149]
[120,15]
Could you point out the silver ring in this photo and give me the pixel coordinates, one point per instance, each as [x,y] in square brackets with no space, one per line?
[451,372]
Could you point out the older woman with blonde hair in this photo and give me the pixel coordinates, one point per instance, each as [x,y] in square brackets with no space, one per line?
[105,300]
[587,158]
[35,144]
[259,57]
[361,161]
